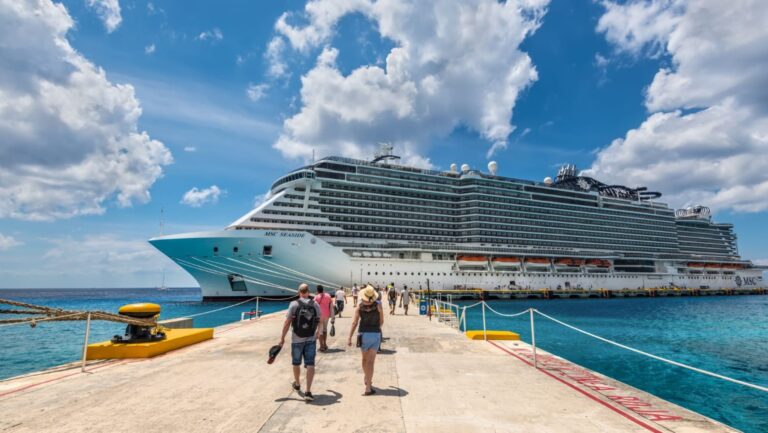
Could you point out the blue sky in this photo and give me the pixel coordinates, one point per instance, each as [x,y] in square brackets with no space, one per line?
[593,76]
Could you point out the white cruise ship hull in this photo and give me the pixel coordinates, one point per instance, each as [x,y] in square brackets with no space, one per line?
[238,264]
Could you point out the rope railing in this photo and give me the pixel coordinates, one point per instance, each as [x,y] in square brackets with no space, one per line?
[532,311]
[650,355]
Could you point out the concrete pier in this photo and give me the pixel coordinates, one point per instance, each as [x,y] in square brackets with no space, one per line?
[429,378]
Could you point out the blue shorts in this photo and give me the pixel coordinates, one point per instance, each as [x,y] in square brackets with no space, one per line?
[306,350]
[371,340]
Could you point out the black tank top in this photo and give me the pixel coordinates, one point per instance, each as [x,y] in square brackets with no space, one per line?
[369,318]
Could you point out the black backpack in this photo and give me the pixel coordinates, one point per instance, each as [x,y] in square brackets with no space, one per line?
[305,320]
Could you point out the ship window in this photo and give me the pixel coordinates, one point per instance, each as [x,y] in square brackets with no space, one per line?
[236,283]
[215,250]
[235,249]
[267,250]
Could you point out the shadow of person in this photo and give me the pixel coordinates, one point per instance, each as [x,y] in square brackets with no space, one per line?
[320,399]
[392,391]
[327,399]
[387,352]
[334,350]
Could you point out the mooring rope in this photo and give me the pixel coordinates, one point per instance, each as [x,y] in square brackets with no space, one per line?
[526,311]
[656,357]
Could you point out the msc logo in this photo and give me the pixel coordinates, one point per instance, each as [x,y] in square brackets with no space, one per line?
[746,281]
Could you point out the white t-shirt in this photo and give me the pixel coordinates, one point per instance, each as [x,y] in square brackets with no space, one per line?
[355,290]
[406,298]
[340,295]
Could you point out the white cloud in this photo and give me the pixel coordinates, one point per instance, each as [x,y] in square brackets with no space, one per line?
[453,63]
[706,139]
[8,242]
[274,55]
[211,35]
[108,11]
[190,149]
[256,91]
[69,138]
[198,197]
[149,49]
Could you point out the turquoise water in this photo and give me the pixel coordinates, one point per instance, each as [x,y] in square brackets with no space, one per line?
[726,335]
[24,349]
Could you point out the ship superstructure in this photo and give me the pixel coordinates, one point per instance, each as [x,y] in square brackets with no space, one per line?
[340,221]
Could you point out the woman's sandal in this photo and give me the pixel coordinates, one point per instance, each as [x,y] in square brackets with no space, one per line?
[371,392]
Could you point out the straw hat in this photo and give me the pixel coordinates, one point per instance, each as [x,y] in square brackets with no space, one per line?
[368,294]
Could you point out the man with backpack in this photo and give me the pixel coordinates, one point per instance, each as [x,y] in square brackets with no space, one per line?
[303,316]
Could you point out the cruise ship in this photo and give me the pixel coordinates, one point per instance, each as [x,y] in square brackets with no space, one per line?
[341,221]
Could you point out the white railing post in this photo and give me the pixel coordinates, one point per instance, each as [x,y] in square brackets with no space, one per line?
[463,318]
[533,339]
[485,332]
[85,342]
[258,314]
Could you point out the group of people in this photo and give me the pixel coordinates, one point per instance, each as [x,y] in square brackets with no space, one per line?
[308,317]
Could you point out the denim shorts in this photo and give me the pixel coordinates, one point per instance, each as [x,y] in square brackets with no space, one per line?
[371,340]
[306,350]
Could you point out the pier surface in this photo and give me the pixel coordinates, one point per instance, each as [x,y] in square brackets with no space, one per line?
[429,378]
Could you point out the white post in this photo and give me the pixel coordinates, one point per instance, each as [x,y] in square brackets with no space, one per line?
[85,343]
[463,318]
[485,332]
[533,339]
[258,314]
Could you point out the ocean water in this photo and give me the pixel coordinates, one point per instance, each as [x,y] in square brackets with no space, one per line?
[725,335]
[24,349]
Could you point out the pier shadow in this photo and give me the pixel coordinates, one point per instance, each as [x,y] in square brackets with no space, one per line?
[332,397]
[392,391]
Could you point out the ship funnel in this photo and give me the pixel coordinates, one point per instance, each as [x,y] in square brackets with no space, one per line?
[492,167]
[464,168]
[454,168]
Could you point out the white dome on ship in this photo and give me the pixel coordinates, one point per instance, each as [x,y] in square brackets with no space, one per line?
[454,168]
[464,168]
[548,180]
[492,167]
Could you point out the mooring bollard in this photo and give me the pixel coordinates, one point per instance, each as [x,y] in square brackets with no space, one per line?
[85,343]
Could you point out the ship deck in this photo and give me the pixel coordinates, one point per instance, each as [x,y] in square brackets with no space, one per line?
[430,378]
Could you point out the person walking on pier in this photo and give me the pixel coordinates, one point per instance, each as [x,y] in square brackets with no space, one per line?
[405,298]
[341,300]
[355,291]
[303,316]
[370,317]
[325,302]
[392,297]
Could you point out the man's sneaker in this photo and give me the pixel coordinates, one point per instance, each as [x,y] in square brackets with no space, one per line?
[308,396]
[295,386]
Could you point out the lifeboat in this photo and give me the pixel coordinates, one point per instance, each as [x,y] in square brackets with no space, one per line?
[598,263]
[505,262]
[537,263]
[570,263]
[732,266]
[695,265]
[476,262]
[713,266]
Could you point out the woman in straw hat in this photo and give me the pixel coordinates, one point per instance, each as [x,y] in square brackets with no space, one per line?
[370,317]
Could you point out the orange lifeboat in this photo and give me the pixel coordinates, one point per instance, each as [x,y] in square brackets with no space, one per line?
[572,263]
[598,263]
[536,262]
[505,262]
[695,265]
[713,266]
[472,261]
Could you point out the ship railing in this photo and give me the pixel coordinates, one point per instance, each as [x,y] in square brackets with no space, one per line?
[531,313]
